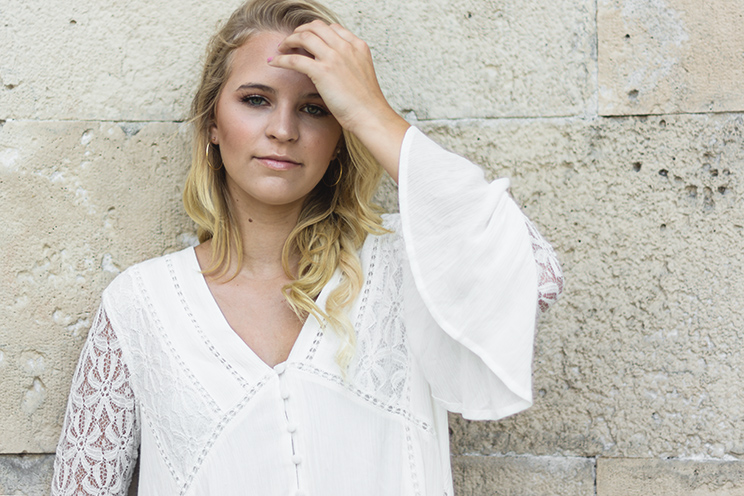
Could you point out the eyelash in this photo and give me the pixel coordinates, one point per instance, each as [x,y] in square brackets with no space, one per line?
[258,101]
[321,112]
[251,100]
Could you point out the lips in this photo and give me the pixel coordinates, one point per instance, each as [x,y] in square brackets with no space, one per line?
[278,162]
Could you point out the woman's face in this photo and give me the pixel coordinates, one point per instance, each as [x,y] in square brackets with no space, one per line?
[275,135]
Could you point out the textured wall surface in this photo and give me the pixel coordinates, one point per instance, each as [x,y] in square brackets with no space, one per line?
[83,200]
[619,121]
[641,357]
[670,56]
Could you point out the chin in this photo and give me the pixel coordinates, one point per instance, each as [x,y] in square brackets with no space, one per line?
[283,198]
[272,192]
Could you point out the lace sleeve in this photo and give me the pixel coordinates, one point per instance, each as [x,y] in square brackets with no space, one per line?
[549,274]
[97,450]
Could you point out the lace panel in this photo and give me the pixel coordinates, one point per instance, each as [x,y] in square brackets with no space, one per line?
[380,365]
[97,450]
[179,412]
[549,274]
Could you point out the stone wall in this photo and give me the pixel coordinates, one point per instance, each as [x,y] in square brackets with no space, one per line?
[620,122]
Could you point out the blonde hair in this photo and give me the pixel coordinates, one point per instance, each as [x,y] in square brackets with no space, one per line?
[334,221]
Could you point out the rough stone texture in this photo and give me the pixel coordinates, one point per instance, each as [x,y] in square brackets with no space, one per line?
[451,59]
[31,475]
[523,476]
[641,356]
[108,60]
[27,475]
[670,56]
[80,202]
[147,59]
[641,477]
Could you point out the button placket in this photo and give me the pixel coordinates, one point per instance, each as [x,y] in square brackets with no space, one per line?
[291,426]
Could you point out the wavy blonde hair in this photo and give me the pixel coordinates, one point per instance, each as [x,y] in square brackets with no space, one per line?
[334,221]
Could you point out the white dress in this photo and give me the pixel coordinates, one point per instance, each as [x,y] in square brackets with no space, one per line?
[445,321]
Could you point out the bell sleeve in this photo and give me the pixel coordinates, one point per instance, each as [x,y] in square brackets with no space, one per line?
[97,449]
[473,285]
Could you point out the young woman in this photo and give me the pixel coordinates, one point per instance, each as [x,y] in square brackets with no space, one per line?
[308,345]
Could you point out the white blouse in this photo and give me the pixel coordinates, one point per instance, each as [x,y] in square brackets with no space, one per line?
[445,321]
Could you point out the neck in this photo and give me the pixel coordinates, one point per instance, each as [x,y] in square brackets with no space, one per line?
[263,232]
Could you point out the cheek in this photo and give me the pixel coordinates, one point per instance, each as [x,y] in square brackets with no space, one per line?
[232,126]
[327,141]
[235,128]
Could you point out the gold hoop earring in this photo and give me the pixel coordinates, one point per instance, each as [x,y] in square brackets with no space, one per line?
[338,179]
[206,155]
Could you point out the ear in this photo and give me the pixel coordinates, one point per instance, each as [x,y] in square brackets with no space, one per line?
[213,135]
[337,151]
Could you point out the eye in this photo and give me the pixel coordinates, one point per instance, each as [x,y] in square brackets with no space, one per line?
[254,100]
[315,110]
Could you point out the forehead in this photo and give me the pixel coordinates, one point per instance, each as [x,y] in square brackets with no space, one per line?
[249,65]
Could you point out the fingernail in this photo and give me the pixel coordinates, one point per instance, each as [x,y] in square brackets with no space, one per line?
[269,59]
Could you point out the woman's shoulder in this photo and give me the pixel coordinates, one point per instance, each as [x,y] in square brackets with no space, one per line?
[391,222]
[147,272]
[392,231]
[389,243]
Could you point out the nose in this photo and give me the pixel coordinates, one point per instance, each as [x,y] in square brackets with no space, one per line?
[282,124]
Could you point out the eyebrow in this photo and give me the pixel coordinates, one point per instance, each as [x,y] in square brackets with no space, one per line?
[256,86]
[269,89]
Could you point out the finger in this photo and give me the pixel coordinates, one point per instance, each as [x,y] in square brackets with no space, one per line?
[311,25]
[344,33]
[358,45]
[325,32]
[307,41]
[294,61]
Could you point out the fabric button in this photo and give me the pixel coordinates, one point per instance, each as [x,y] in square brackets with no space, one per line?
[280,368]
[296,459]
[283,391]
[291,427]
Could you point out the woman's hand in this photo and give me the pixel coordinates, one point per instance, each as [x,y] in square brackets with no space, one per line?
[340,65]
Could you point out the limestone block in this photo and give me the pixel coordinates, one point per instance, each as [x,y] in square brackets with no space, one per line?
[670,56]
[631,477]
[80,201]
[523,476]
[132,61]
[106,60]
[641,356]
[480,58]
[26,475]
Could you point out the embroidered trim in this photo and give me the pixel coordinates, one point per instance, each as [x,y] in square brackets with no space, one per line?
[153,313]
[181,480]
[316,343]
[207,342]
[395,410]
[219,428]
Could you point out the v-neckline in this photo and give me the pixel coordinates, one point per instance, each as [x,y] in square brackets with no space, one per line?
[222,331]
